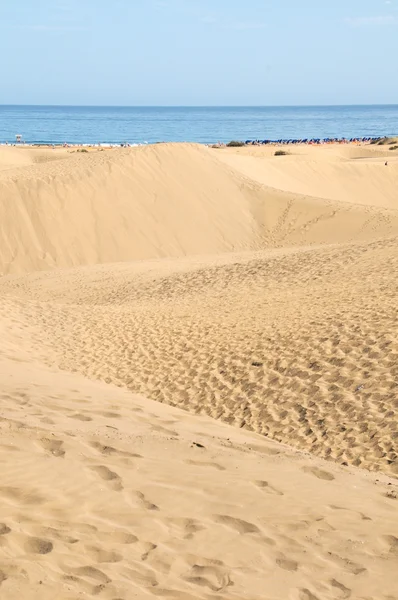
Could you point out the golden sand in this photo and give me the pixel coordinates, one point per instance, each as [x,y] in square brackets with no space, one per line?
[259,292]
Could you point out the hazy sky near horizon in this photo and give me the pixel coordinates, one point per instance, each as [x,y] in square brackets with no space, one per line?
[199,52]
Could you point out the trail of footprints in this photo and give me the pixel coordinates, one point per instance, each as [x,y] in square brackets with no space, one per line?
[270,379]
[106,474]
[212,575]
[102,552]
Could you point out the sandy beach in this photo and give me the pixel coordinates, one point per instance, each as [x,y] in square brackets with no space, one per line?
[199,373]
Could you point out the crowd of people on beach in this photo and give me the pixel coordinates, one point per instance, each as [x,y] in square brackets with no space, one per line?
[311,141]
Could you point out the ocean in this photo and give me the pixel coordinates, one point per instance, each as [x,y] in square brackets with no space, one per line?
[140,125]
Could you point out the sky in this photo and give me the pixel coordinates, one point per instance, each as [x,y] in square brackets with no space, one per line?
[198,52]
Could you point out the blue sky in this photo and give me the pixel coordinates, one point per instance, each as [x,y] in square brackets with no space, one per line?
[199,52]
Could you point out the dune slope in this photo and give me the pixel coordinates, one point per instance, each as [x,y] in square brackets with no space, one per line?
[107,494]
[298,345]
[159,201]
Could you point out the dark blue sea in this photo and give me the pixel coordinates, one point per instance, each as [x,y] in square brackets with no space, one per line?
[140,125]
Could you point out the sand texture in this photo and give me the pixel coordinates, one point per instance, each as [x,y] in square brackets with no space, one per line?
[199,374]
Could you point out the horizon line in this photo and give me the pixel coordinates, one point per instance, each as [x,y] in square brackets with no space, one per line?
[196,105]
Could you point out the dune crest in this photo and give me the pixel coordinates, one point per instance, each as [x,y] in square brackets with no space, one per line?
[337,174]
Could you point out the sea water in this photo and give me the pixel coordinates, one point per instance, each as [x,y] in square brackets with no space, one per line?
[140,125]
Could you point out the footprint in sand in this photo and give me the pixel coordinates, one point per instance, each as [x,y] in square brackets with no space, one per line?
[109,415]
[144,502]
[38,546]
[287,564]
[4,529]
[92,573]
[143,577]
[185,528]
[107,475]
[346,592]
[346,564]
[307,595]
[99,555]
[269,489]
[110,451]
[243,528]
[392,543]
[118,537]
[148,547]
[319,473]
[47,421]
[85,587]
[80,417]
[237,524]
[56,535]
[54,447]
[214,578]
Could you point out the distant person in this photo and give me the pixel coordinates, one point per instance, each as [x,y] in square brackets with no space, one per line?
[386,164]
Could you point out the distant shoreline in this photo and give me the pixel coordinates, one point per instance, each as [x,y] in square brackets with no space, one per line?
[255,142]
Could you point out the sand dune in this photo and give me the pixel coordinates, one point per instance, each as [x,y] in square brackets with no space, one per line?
[273,311]
[299,345]
[120,205]
[161,201]
[344,174]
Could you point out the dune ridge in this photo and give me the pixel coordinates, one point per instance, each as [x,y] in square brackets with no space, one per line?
[343,174]
[160,201]
[268,315]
